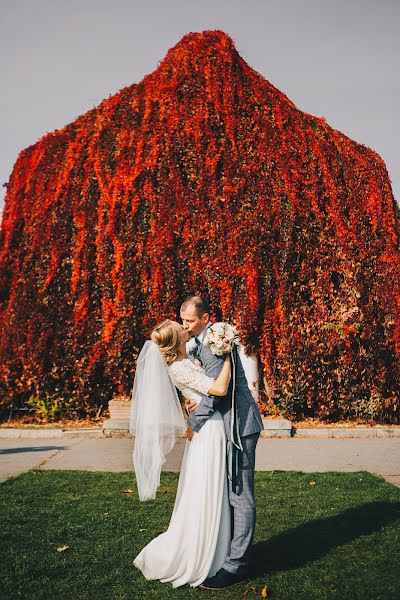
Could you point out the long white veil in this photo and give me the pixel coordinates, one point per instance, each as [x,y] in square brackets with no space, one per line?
[156,418]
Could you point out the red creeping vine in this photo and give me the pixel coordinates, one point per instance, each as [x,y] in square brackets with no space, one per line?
[202,177]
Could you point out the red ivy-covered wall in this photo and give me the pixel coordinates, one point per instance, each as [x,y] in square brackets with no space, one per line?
[202,177]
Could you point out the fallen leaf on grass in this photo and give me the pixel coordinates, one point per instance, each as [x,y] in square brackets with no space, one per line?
[142,529]
[312,482]
[264,591]
[62,548]
[252,589]
[128,491]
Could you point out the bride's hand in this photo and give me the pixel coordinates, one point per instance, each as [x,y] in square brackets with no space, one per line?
[191,406]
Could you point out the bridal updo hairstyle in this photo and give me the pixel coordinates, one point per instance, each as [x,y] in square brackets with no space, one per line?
[167,338]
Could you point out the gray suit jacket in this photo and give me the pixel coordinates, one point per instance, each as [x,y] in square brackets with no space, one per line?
[248,414]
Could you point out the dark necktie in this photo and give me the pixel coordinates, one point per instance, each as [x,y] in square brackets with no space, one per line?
[196,350]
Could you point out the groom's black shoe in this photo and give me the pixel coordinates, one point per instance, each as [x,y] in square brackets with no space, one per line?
[222,580]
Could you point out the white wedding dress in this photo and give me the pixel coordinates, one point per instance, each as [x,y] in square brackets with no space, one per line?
[198,537]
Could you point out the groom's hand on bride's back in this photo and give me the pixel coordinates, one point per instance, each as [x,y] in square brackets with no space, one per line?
[189,433]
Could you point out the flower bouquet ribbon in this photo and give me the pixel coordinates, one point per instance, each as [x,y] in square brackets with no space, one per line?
[222,338]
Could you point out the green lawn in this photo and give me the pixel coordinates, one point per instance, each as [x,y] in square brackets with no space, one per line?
[337,539]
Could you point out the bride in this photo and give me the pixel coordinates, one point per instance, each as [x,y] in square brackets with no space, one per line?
[198,537]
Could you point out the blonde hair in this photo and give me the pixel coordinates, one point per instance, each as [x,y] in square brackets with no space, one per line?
[167,337]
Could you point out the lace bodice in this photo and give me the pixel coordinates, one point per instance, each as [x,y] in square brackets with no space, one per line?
[190,379]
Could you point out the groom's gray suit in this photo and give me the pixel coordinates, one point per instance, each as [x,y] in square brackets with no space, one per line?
[243,509]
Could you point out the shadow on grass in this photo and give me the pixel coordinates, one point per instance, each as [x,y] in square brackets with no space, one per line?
[300,545]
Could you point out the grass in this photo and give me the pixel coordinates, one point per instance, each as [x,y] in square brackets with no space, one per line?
[337,539]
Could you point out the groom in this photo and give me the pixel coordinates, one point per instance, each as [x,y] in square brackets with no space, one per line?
[195,315]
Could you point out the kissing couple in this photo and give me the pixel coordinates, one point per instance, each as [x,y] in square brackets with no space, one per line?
[213,520]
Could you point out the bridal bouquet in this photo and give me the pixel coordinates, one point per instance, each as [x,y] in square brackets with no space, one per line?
[221,338]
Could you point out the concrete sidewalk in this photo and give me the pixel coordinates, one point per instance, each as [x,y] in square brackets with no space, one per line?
[377,455]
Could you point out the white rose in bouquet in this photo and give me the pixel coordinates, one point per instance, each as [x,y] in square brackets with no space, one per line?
[221,338]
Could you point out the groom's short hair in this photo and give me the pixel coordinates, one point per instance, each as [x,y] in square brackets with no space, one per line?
[200,304]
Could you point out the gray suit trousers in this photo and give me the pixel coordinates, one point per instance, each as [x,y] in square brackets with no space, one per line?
[243,507]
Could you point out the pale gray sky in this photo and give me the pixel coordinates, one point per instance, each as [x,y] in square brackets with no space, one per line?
[333,58]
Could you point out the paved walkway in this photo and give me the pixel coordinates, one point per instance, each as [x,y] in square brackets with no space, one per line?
[379,456]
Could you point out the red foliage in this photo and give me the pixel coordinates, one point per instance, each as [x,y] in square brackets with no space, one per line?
[204,177]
